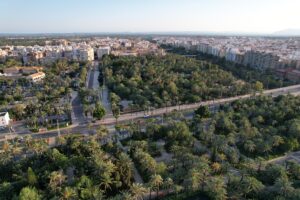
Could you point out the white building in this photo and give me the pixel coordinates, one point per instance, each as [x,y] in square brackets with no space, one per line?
[86,54]
[4,119]
[231,54]
[37,77]
[101,51]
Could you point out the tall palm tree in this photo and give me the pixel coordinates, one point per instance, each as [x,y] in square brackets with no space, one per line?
[138,191]
[216,188]
[125,168]
[156,181]
[6,157]
[204,171]
[168,184]
[6,147]
[16,150]
[252,185]
[277,140]
[106,181]
[57,178]
[58,112]
[28,142]
[249,146]
[194,180]
[283,186]
[39,146]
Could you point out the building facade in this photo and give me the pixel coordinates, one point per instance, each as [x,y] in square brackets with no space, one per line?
[4,119]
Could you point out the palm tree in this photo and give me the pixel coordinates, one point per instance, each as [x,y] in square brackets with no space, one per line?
[125,168]
[106,181]
[124,196]
[116,111]
[68,193]
[156,181]
[39,147]
[57,178]
[249,146]
[58,112]
[96,193]
[43,115]
[216,167]
[168,184]
[101,133]
[252,185]
[28,142]
[34,121]
[6,157]
[267,148]
[61,140]
[29,193]
[194,180]
[138,191]
[204,171]
[216,188]
[277,140]
[283,186]
[6,147]
[16,150]
[260,162]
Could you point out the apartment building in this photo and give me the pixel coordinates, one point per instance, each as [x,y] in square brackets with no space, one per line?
[256,52]
[101,51]
[77,50]
[86,54]
[261,60]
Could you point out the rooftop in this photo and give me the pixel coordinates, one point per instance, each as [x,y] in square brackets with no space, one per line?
[2,114]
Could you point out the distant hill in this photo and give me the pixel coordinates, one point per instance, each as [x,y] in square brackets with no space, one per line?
[288,32]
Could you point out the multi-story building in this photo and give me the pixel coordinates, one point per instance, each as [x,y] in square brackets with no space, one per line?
[101,51]
[86,54]
[261,60]
[255,52]
[78,50]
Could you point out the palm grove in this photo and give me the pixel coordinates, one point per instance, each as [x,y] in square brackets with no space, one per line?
[212,156]
[153,81]
[215,155]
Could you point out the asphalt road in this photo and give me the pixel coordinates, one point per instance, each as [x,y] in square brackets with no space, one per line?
[91,75]
[131,116]
[77,109]
[109,120]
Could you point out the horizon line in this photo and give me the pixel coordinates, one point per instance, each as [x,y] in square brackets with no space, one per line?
[194,33]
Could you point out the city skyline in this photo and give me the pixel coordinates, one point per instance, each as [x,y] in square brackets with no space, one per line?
[216,16]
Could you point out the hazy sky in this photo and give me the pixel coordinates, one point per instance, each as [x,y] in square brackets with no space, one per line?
[54,16]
